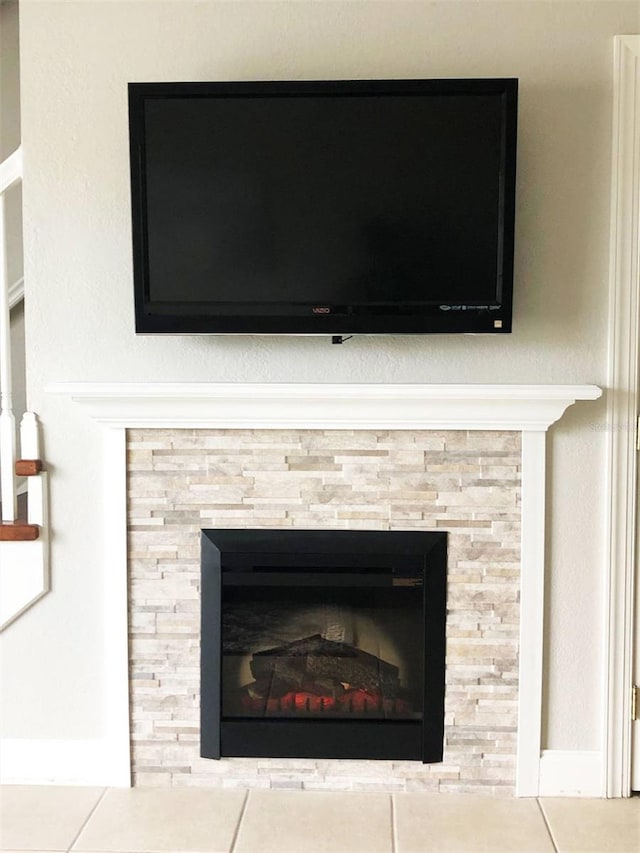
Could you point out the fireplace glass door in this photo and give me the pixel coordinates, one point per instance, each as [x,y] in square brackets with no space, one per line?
[323,643]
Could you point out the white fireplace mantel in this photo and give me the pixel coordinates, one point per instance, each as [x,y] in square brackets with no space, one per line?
[528,409]
[325,406]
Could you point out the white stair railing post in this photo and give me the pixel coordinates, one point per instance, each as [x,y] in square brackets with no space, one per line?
[29,436]
[30,449]
[7,420]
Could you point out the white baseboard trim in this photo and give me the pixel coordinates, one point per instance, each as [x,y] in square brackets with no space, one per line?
[62,762]
[571,773]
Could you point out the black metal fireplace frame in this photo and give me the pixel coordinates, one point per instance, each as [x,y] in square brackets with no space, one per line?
[227,552]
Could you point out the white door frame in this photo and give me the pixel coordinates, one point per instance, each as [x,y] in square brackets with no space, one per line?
[623,385]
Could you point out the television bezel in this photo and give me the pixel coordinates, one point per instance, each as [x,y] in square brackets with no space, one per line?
[315,319]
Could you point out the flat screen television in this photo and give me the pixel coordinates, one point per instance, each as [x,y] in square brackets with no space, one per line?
[342,207]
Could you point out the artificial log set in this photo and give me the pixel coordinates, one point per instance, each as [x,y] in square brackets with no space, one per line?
[317,676]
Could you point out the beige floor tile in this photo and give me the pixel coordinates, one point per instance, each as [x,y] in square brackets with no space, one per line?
[466,823]
[163,819]
[601,826]
[315,822]
[43,817]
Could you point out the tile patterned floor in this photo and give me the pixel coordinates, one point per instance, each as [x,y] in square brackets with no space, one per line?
[185,820]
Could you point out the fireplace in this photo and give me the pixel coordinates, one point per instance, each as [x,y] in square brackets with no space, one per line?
[386,457]
[323,644]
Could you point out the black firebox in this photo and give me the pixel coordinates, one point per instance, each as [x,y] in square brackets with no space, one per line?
[323,644]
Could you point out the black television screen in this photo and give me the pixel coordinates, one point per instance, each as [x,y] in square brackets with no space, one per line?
[323,207]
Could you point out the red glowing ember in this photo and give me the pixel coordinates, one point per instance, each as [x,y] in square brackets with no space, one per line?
[354,701]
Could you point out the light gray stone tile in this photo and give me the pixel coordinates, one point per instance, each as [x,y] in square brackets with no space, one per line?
[316,822]
[43,817]
[163,819]
[464,823]
[594,826]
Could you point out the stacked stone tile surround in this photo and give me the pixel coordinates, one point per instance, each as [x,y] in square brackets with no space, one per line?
[467,483]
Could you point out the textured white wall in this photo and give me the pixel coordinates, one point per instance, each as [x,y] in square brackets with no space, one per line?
[76,61]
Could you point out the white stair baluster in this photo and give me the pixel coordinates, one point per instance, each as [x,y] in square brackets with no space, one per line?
[7,419]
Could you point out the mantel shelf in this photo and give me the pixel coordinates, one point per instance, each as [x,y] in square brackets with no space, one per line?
[325,406]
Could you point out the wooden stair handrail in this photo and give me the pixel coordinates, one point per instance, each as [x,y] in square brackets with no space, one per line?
[28,467]
[18,531]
